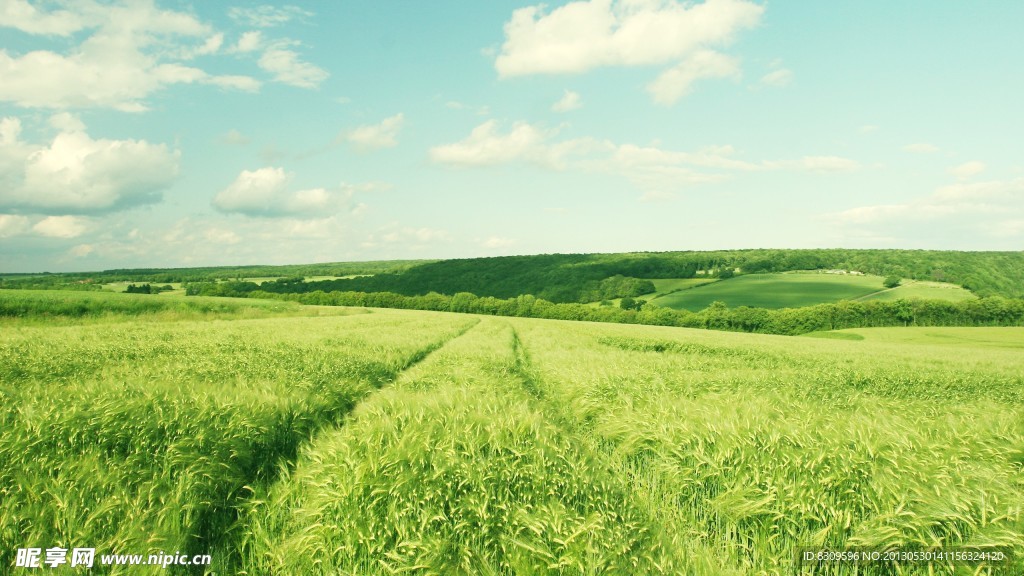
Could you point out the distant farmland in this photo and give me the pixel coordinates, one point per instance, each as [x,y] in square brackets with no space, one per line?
[793,290]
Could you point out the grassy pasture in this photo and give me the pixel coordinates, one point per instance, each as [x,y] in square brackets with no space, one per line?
[774,291]
[262,279]
[46,307]
[998,337]
[666,286]
[911,289]
[432,443]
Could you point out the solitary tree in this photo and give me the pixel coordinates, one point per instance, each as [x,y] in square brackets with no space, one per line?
[891,281]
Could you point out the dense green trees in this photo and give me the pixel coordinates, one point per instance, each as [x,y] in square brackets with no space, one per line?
[565,278]
[790,321]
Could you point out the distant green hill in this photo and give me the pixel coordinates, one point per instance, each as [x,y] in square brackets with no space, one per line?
[563,278]
[579,277]
[794,290]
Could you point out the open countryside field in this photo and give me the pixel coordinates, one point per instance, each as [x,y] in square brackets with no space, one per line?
[788,290]
[911,289]
[997,337]
[437,443]
[666,286]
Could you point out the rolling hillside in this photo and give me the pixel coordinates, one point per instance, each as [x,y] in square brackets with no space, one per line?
[794,290]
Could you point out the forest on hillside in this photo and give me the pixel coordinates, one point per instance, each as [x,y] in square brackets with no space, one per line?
[563,278]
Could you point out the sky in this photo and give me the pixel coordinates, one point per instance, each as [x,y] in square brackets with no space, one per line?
[174,134]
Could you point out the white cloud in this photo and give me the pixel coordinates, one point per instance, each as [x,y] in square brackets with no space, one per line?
[677,81]
[75,174]
[67,122]
[267,16]
[221,236]
[23,16]
[496,242]
[266,192]
[288,68]
[570,101]
[779,78]
[967,169]
[992,209]
[61,226]
[13,225]
[828,164]
[375,136]
[921,148]
[234,138]
[584,35]
[650,157]
[212,45]
[478,110]
[580,36]
[132,50]
[82,250]
[650,167]
[249,42]
[1011,191]
[486,145]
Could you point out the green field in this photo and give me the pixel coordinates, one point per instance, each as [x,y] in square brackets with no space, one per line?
[664,286]
[435,443]
[1003,337]
[911,289]
[775,291]
[793,290]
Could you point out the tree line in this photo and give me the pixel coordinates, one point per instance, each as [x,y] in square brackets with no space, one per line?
[566,278]
[992,311]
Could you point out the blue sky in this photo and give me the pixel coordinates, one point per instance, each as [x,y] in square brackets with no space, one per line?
[163,134]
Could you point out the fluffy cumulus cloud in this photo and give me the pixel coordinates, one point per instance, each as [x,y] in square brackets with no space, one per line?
[487,145]
[649,166]
[780,77]
[677,81]
[62,226]
[249,41]
[13,225]
[129,50]
[76,174]
[287,66]
[27,18]
[584,35]
[967,169]
[991,209]
[375,136]
[267,192]
[568,102]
